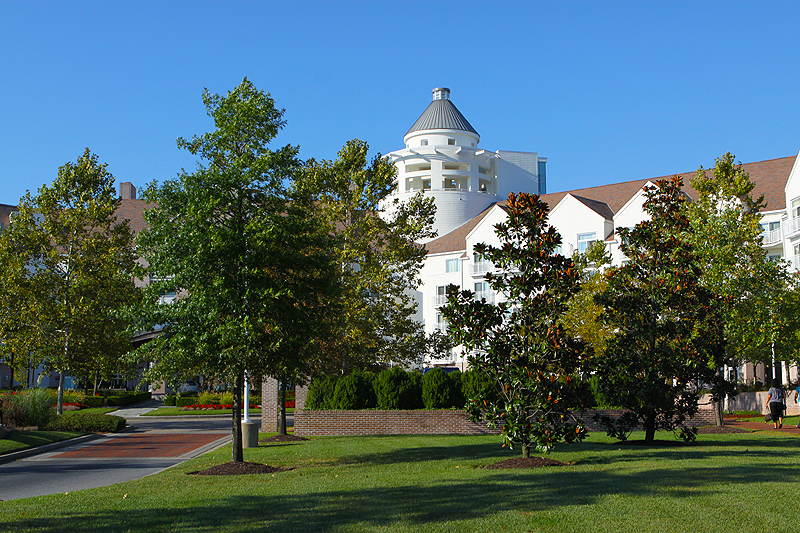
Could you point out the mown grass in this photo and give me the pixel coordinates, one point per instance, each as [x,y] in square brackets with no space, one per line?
[21,440]
[439,484]
[98,410]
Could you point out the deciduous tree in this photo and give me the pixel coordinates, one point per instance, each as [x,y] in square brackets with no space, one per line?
[251,263]
[725,232]
[67,266]
[376,251]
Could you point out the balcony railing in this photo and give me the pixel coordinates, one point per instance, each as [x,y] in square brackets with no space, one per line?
[439,300]
[488,296]
[772,237]
[795,226]
[481,267]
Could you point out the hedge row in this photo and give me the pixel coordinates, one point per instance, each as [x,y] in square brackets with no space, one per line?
[394,389]
[87,423]
[128,399]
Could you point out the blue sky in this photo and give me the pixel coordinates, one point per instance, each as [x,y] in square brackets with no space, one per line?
[607,91]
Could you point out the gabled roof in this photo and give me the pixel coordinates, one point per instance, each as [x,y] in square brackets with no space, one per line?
[769,176]
[442,115]
[601,208]
[457,239]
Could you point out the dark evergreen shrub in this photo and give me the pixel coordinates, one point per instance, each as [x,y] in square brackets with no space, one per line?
[457,399]
[439,390]
[169,400]
[473,383]
[356,391]
[394,388]
[94,401]
[87,423]
[413,396]
[128,399]
[320,393]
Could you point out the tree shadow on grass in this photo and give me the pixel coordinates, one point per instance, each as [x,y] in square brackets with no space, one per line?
[588,452]
[437,503]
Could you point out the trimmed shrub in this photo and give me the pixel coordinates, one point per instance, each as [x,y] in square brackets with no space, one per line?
[320,394]
[439,391]
[94,401]
[87,423]
[169,400]
[128,399]
[397,389]
[355,391]
[472,383]
[184,402]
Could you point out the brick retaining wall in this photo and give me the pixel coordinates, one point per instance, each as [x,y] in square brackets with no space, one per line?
[444,422]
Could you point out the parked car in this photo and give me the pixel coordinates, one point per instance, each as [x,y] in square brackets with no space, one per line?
[190,386]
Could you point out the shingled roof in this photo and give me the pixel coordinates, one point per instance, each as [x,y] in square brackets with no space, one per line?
[769,176]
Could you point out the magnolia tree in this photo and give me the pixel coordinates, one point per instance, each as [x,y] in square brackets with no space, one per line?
[667,328]
[519,346]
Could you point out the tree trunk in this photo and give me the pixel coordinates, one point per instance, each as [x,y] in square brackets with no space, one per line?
[718,418]
[650,427]
[526,449]
[236,432]
[282,400]
[60,398]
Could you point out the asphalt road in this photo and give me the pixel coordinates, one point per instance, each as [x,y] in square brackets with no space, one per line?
[111,459]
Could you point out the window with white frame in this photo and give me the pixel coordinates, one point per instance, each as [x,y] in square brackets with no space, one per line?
[585,241]
[453,265]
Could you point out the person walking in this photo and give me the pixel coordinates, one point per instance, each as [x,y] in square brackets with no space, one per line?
[776,403]
[797,398]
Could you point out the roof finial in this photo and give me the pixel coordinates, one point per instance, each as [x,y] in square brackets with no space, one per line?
[441,93]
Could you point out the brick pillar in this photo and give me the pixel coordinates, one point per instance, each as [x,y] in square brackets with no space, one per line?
[300,394]
[269,405]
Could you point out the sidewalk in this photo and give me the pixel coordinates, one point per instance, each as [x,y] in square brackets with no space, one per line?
[139,409]
[758,424]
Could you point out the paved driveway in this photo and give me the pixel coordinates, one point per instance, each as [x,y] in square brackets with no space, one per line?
[152,445]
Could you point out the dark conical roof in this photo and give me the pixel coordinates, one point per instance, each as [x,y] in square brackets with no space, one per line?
[442,114]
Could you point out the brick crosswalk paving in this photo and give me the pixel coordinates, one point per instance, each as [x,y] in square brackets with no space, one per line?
[143,445]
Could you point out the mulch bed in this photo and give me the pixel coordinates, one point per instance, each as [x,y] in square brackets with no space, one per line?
[720,429]
[282,438]
[526,462]
[238,469]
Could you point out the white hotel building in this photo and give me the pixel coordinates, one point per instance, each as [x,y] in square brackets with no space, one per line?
[470,185]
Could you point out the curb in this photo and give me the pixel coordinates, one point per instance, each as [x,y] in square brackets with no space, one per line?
[28,452]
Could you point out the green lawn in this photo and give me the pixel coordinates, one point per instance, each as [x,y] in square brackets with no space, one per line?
[20,440]
[722,483]
[98,410]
